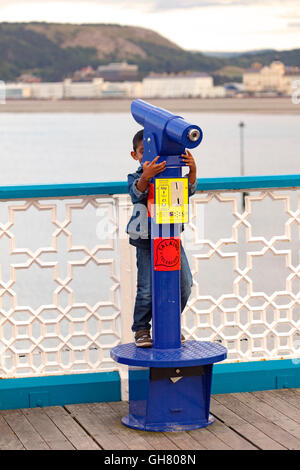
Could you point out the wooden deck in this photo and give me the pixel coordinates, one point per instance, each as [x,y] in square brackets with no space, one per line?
[243,421]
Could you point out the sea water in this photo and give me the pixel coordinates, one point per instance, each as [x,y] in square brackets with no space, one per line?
[74,147]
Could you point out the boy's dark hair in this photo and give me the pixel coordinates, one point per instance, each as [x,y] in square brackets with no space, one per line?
[137,139]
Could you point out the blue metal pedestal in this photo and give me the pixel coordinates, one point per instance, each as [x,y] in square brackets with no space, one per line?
[172,391]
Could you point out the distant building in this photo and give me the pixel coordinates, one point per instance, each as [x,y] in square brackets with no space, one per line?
[292,74]
[28,78]
[17,91]
[276,78]
[83,90]
[122,90]
[154,86]
[181,86]
[234,89]
[85,74]
[47,90]
[118,72]
[66,89]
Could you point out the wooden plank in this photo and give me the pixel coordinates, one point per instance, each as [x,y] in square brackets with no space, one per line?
[91,423]
[70,428]
[185,441]
[157,440]
[208,439]
[227,415]
[47,429]
[8,439]
[24,430]
[178,440]
[132,438]
[230,437]
[268,427]
[288,395]
[271,414]
[296,391]
[243,421]
[279,404]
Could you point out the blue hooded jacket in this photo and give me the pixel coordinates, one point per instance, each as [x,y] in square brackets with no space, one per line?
[139,226]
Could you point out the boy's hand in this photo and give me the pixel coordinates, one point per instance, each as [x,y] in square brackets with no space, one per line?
[149,170]
[152,169]
[188,159]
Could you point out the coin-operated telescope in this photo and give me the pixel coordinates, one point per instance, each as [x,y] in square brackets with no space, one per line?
[165,134]
[172,393]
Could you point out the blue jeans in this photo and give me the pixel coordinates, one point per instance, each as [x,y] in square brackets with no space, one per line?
[143,302]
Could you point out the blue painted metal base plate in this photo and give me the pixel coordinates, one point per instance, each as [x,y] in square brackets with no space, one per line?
[192,353]
[132,422]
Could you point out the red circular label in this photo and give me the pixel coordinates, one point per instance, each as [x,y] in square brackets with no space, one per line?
[166,254]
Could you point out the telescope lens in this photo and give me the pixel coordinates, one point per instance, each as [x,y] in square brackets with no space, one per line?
[194,135]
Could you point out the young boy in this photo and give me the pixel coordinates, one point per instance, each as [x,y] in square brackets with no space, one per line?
[138,229]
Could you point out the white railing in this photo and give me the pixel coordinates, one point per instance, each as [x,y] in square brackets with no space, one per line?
[68,278]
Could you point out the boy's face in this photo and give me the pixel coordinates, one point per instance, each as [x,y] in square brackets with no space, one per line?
[139,152]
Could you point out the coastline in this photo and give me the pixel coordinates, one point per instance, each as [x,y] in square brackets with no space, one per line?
[218,105]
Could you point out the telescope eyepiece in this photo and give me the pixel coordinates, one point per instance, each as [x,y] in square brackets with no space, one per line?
[193,135]
[165,127]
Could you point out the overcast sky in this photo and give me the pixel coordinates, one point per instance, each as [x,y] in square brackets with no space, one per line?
[216,25]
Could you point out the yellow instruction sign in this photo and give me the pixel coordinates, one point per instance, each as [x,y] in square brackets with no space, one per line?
[171,200]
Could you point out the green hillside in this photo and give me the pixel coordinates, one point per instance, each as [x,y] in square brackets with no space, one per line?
[54,51]
[23,50]
[290,57]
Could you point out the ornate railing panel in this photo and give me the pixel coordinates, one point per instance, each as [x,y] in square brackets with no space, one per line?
[60,286]
[246,271]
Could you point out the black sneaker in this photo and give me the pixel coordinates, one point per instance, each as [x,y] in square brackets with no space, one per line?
[143,339]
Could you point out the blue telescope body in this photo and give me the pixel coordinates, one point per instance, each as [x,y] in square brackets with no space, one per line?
[165,134]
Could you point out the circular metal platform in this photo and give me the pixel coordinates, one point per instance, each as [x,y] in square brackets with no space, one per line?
[192,353]
[134,422]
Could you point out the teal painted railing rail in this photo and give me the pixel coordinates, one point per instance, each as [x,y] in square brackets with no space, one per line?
[120,187]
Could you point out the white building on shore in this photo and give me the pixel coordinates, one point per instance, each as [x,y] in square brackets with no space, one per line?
[193,85]
[46,90]
[122,89]
[17,91]
[83,90]
[66,89]
[275,78]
